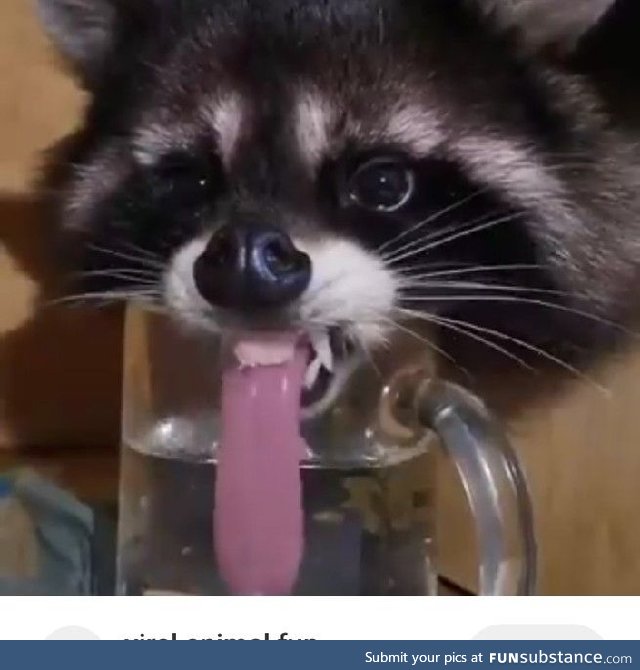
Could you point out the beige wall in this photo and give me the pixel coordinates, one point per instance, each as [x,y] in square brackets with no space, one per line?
[37,102]
[59,371]
[583,460]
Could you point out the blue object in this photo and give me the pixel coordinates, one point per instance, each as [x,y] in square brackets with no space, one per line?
[62,529]
[6,488]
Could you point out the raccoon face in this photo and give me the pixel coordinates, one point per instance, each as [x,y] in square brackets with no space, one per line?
[350,169]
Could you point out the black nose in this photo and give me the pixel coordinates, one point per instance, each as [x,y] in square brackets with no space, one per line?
[251,266]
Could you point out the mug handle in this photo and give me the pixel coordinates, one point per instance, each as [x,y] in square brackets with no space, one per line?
[494,483]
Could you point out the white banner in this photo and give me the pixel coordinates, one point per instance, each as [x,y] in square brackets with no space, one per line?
[319,618]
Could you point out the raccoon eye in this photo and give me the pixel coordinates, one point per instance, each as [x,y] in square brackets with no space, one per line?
[185,175]
[382,185]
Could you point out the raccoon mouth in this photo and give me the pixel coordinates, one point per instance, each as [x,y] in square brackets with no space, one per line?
[326,358]
[332,357]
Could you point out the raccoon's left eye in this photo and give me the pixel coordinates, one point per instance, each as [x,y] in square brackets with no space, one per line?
[383,185]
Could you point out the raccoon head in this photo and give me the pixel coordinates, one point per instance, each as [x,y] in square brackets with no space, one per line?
[351,168]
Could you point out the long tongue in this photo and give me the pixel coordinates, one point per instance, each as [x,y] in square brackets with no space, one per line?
[258,519]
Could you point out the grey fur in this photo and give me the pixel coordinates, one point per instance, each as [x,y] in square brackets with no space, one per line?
[82,29]
[580,190]
[558,23]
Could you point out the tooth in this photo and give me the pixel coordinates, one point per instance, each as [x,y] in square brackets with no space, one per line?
[312,373]
[322,347]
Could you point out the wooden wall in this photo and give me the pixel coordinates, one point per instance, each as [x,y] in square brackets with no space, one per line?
[582,455]
[60,370]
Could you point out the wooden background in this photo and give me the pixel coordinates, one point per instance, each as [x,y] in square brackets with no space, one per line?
[60,371]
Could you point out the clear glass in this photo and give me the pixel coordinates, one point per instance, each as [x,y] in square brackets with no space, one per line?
[367,481]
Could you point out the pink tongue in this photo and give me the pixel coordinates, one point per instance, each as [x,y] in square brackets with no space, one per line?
[258,517]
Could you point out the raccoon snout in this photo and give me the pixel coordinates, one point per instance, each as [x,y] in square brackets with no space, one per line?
[251,265]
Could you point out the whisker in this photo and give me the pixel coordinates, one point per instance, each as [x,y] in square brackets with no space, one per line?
[140,280]
[458,327]
[459,271]
[456,236]
[145,262]
[434,217]
[434,236]
[151,255]
[435,266]
[124,278]
[525,345]
[476,286]
[528,301]
[429,343]
[112,296]
[108,272]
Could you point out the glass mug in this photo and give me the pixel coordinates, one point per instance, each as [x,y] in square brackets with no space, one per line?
[367,479]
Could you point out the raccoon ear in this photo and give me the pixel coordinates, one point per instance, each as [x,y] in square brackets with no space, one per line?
[552,26]
[82,30]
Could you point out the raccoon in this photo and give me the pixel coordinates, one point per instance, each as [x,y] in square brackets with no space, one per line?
[355,169]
